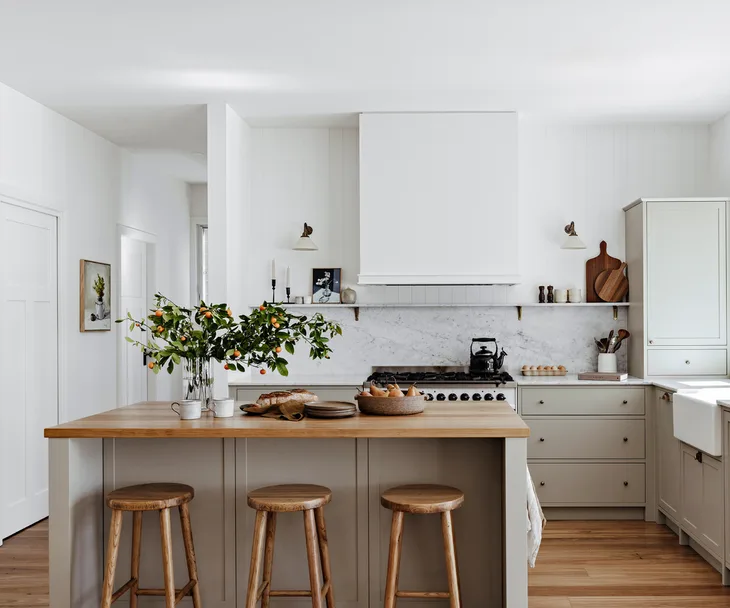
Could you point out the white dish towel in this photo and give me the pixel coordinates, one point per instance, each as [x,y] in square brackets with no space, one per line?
[535,522]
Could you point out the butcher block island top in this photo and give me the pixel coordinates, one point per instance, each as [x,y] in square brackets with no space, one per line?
[495,420]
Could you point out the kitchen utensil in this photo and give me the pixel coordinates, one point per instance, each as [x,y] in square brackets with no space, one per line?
[596,266]
[391,406]
[188,409]
[622,335]
[222,408]
[599,343]
[604,344]
[614,286]
[485,360]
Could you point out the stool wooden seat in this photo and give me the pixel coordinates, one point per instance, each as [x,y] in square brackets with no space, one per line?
[423,499]
[268,501]
[150,497]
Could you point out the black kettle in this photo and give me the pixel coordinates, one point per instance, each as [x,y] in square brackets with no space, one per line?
[485,360]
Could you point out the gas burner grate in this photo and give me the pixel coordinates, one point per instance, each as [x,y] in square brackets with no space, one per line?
[386,377]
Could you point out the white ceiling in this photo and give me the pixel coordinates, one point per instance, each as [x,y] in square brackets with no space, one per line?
[135,71]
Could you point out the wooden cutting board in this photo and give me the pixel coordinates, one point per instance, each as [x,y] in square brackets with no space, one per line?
[596,266]
[612,285]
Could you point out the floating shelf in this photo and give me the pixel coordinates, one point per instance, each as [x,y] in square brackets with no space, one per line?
[517,305]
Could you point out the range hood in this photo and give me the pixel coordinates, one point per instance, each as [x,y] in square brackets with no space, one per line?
[438,199]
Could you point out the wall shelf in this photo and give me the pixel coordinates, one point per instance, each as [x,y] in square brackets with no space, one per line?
[519,306]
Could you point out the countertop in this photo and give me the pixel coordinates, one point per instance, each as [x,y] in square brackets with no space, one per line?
[156,419]
[272,379]
[572,380]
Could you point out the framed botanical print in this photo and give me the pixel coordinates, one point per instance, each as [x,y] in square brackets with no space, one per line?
[95,296]
[326,285]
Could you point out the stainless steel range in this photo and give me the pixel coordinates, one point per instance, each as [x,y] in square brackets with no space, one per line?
[451,383]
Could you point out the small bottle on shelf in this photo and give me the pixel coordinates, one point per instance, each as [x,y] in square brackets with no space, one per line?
[541,297]
[550,296]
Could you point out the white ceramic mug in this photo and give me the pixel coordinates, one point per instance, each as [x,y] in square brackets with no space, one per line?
[307,299]
[575,295]
[189,409]
[298,300]
[561,296]
[222,408]
[607,363]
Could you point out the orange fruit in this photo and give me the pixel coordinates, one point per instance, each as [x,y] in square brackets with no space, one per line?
[230,313]
[262,307]
[137,324]
[203,309]
[236,353]
[273,320]
[182,338]
[262,371]
[208,315]
[277,326]
[160,328]
[158,313]
[278,349]
[151,365]
[226,366]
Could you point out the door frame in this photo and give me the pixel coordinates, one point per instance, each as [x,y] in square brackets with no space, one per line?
[151,241]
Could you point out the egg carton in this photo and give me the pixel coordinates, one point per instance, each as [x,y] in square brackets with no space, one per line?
[544,372]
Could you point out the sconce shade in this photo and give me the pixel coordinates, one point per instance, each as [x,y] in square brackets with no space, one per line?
[304,242]
[572,241]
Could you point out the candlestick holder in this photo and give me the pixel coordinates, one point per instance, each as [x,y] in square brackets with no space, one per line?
[273,290]
[288,295]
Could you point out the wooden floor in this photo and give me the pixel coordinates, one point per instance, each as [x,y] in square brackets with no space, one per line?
[581,565]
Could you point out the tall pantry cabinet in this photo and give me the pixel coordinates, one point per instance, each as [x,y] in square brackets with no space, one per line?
[676,251]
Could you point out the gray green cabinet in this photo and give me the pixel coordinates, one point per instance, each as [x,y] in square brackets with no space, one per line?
[668,457]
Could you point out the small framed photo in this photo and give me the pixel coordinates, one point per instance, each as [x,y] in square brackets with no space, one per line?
[95,296]
[326,285]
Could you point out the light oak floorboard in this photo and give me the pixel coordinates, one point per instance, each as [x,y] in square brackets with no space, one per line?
[581,565]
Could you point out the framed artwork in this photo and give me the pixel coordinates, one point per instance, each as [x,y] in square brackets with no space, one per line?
[326,285]
[95,296]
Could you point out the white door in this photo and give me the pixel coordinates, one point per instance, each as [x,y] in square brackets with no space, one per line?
[28,362]
[133,292]
[686,273]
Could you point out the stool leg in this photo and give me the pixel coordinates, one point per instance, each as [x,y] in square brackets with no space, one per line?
[187,533]
[169,574]
[259,532]
[136,552]
[112,550]
[396,543]
[324,552]
[452,570]
[310,532]
[268,558]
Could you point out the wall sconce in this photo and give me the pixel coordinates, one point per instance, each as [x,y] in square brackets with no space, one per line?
[304,242]
[572,241]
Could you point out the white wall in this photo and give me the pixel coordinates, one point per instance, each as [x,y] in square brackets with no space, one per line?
[53,163]
[720,156]
[199,200]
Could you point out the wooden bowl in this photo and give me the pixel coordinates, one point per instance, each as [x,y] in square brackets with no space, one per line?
[391,406]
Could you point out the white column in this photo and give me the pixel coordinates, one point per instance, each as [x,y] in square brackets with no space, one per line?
[515,523]
[76,535]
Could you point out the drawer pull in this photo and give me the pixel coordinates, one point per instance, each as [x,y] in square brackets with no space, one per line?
[686,362]
[665,397]
[626,483]
[541,402]
[651,341]
[542,439]
[626,401]
[542,483]
[626,439]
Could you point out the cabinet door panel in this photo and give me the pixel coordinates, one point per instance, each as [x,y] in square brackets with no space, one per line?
[692,506]
[669,458]
[686,266]
[713,505]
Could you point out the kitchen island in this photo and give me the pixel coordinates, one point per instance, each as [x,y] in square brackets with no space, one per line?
[480,448]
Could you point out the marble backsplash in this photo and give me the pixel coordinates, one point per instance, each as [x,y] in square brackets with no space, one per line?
[441,335]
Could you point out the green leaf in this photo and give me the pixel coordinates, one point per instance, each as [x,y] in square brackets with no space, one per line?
[170,367]
[289,347]
[176,358]
[128,339]
[281,367]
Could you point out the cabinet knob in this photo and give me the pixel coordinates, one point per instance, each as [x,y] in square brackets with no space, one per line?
[651,341]
[665,397]
[541,402]
[542,438]
[686,362]
[626,483]
[626,439]
[542,483]
[626,401]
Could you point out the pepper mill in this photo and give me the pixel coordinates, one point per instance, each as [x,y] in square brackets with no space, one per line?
[541,297]
[550,296]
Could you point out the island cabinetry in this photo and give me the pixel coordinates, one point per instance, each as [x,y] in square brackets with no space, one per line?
[587,449]
[668,457]
[703,499]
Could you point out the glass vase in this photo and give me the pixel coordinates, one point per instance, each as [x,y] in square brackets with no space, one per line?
[198,381]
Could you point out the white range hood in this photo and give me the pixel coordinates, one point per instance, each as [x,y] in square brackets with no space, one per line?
[438,199]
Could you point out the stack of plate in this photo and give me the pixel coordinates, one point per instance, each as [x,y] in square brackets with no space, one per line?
[330,409]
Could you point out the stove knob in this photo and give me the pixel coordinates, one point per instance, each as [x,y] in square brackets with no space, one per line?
[441,397]
[453,397]
[501,397]
[428,397]
[476,397]
[464,397]
[489,397]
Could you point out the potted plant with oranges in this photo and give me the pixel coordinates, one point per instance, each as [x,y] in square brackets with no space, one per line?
[193,337]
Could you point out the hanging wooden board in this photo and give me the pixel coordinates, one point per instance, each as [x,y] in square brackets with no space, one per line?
[596,266]
[612,285]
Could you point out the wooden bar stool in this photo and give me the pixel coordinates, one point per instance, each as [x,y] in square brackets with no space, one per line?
[268,502]
[150,497]
[423,498]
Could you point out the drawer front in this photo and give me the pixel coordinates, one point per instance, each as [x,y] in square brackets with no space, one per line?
[585,438]
[582,401]
[589,484]
[687,362]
